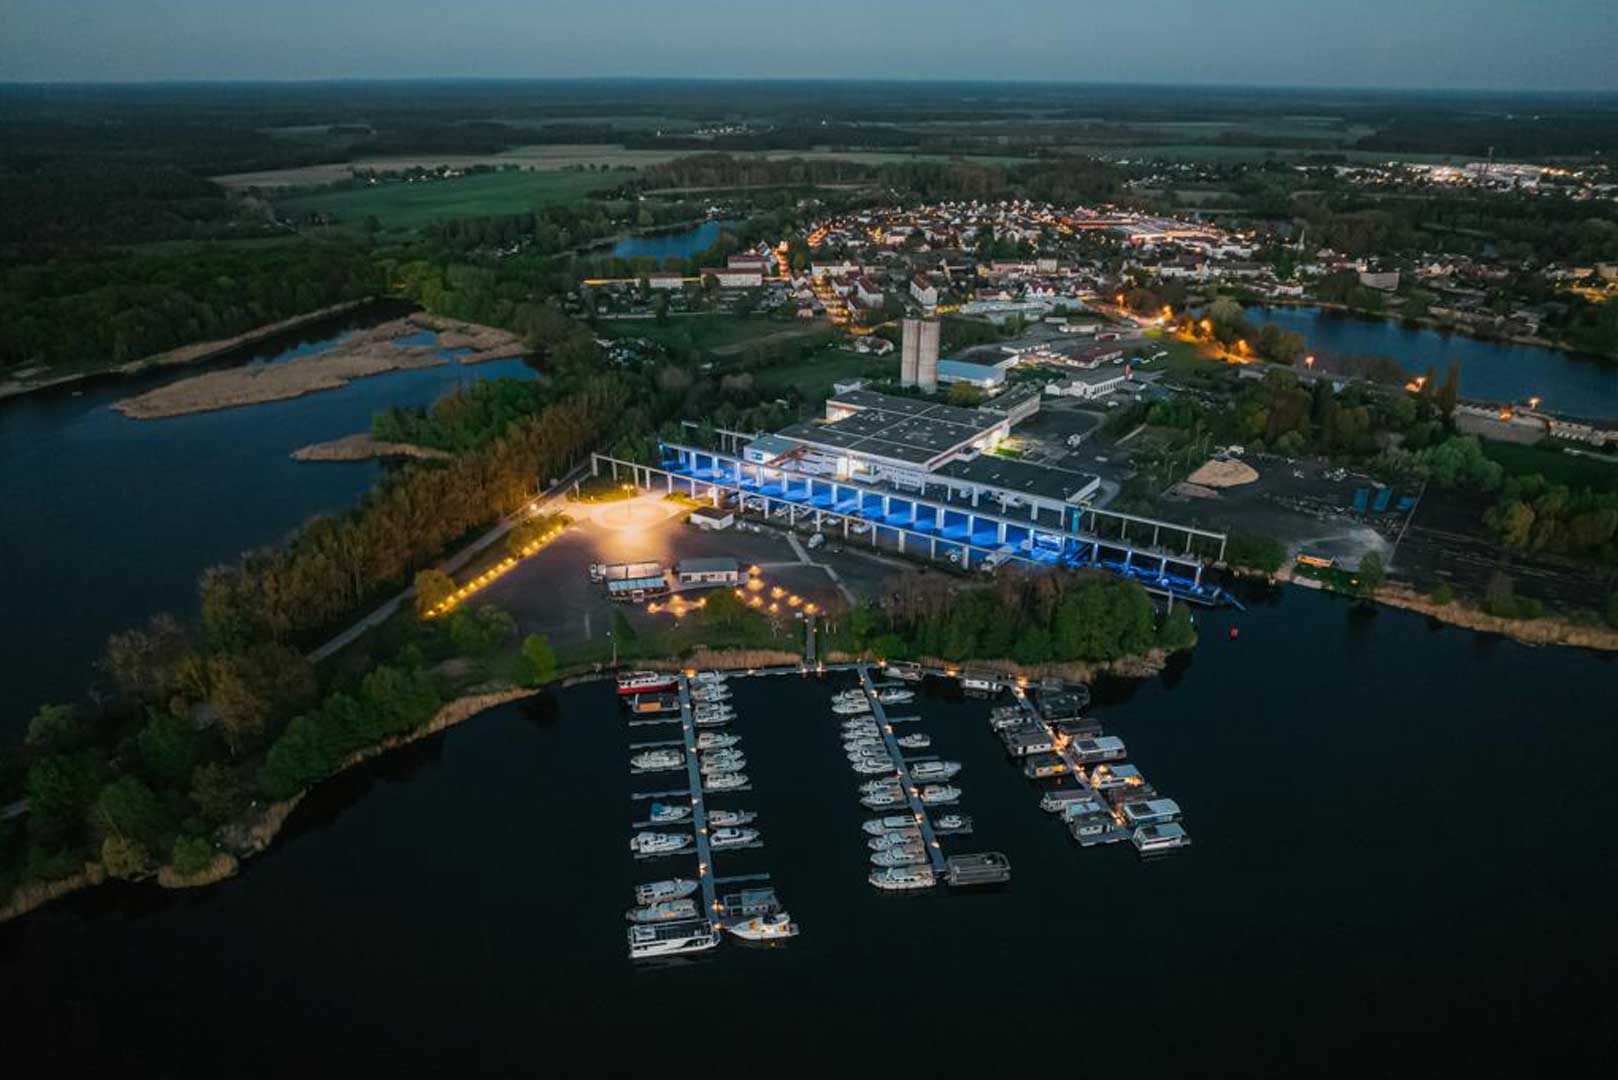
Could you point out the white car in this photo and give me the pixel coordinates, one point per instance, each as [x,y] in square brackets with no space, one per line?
[859,528]
[817,540]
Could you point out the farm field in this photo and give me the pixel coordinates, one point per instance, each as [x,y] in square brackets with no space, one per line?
[723,335]
[814,377]
[407,206]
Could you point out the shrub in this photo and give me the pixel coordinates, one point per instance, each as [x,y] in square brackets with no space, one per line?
[192,855]
[1252,551]
[539,660]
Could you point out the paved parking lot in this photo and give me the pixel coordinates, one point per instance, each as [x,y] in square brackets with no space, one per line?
[552,594]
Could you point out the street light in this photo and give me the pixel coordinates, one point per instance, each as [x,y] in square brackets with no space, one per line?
[1309,361]
[1533,402]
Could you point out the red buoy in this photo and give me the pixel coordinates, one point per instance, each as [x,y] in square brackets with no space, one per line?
[1234,633]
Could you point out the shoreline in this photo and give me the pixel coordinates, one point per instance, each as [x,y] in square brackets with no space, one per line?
[360,446]
[1430,323]
[245,839]
[184,355]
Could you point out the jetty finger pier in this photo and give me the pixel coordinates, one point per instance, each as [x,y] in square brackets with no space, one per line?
[679,915]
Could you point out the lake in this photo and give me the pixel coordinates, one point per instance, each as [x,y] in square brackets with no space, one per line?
[681,244]
[1492,371]
[108,520]
[1402,848]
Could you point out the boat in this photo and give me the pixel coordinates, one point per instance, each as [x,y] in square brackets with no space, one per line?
[669,889]
[729,818]
[712,713]
[714,757]
[668,813]
[722,768]
[982,868]
[716,740]
[1041,766]
[671,939]
[1089,831]
[871,767]
[934,770]
[708,678]
[658,759]
[856,694]
[879,785]
[902,878]
[903,669]
[640,682]
[879,825]
[777,927]
[655,843]
[868,743]
[728,838]
[1137,812]
[715,720]
[939,794]
[653,704]
[915,741]
[895,697]
[1110,777]
[1165,837]
[896,838]
[710,695]
[903,855]
[881,800]
[663,911]
[952,823]
[981,684]
[1052,802]
[729,781]
[851,708]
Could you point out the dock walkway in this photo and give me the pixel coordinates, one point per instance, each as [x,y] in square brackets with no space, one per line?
[929,838]
[699,812]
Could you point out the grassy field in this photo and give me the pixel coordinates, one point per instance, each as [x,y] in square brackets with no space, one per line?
[814,377]
[709,332]
[409,206]
[1554,465]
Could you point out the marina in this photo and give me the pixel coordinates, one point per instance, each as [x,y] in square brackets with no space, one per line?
[670,922]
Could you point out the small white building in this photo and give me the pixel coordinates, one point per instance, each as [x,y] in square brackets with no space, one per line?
[708,572]
[1089,385]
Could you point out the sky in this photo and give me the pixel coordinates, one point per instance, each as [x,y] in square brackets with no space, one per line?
[1456,44]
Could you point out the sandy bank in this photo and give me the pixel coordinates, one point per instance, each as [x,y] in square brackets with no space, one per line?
[361,447]
[1544,631]
[367,352]
[486,342]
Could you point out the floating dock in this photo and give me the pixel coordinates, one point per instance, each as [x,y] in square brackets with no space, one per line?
[929,838]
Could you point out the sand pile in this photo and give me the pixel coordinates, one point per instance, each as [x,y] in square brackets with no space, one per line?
[1219,473]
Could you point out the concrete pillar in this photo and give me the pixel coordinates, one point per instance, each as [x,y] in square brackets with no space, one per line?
[932,548]
[1197,576]
[670,478]
[974,497]
[901,541]
[614,470]
[1155,530]
[1002,532]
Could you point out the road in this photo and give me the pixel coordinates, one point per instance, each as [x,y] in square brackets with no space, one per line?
[549,500]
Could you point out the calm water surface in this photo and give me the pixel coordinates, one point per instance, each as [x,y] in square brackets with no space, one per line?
[662,245]
[1402,848]
[1492,371]
[106,519]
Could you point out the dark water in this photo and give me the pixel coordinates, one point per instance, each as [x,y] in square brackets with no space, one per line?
[662,245]
[105,520]
[1492,371]
[1402,850]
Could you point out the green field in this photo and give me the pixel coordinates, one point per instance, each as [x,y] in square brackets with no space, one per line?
[410,206]
[814,377]
[707,332]
[1550,462]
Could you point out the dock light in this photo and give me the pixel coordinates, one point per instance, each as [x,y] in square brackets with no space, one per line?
[1533,402]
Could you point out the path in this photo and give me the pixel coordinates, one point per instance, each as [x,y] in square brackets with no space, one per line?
[547,501]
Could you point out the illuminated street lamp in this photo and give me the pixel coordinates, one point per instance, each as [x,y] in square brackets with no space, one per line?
[1308,361]
[1533,402]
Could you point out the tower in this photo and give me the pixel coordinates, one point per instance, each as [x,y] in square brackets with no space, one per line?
[927,354]
[909,351]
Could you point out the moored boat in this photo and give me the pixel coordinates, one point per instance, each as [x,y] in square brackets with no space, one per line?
[671,939]
[729,781]
[729,818]
[668,813]
[729,838]
[776,927]
[663,911]
[670,889]
[923,771]
[716,740]
[939,794]
[640,682]
[879,825]
[650,760]
[914,741]
[655,843]
[902,855]
[1166,837]
[902,878]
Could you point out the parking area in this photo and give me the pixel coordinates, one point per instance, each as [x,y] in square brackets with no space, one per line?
[551,593]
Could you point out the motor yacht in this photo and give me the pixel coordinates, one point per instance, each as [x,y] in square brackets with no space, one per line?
[873,768]
[665,758]
[903,878]
[895,697]
[923,771]
[881,800]
[669,813]
[715,740]
[902,855]
[729,838]
[915,741]
[878,825]
[640,682]
[896,838]
[776,927]
[939,794]
[729,781]
[655,843]
[731,818]
[655,892]
[952,823]
[663,911]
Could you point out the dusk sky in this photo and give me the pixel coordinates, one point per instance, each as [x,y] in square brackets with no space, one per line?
[1487,44]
